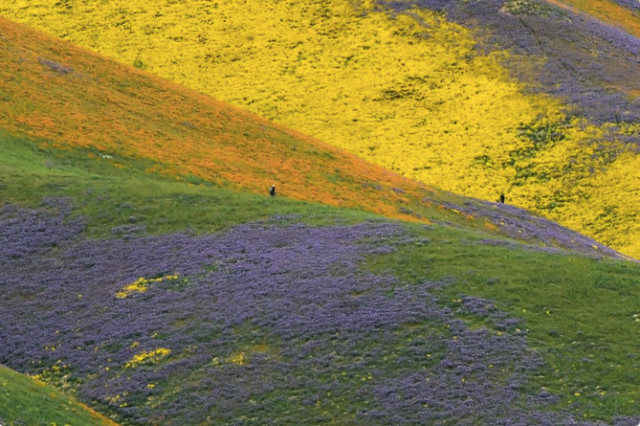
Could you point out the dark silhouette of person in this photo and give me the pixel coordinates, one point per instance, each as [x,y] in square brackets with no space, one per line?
[502,198]
[272,191]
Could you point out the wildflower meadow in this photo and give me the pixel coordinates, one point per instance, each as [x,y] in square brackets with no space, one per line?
[527,98]
[149,277]
[265,324]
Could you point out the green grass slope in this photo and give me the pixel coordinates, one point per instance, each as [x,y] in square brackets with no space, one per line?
[24,401]
[579,314]
[478,98]
[115,194]
[112,195]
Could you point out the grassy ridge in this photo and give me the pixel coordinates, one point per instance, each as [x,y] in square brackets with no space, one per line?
[26,402]
[116,197]
[112,194]
[407,90]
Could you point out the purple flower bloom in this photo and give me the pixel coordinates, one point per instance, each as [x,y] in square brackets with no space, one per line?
[263,325]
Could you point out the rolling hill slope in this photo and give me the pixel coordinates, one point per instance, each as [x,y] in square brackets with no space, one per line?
[115,287]
[160,293]
[25,402]
[57,93]
[480,98]
[65,98]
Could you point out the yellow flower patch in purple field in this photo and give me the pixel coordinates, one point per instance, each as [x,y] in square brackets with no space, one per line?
[150,357]
[239,358]
[141,285]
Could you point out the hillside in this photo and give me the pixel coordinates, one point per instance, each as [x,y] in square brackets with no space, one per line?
[64,98]
[623,14]
[115,287]
[522,97]
[146,271]
[26,402]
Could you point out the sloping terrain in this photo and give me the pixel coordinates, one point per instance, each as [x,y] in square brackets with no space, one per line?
[64,96]
[521,97]
[26,402]
[159,293]
[114,287]
[67,98]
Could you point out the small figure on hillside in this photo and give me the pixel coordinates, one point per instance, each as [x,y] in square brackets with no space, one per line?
[502,198]
[272,191]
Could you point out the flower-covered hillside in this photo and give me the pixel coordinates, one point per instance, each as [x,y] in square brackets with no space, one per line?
[67,97]
[619,13]
[406,88]
[162,302]
[374,323]
[590,65]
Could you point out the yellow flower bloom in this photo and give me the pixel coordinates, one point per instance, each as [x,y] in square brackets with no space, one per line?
[150,357]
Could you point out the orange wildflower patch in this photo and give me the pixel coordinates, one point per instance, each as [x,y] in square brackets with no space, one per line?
[490,226]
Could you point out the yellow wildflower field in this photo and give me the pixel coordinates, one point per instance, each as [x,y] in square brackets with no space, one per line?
[406,90]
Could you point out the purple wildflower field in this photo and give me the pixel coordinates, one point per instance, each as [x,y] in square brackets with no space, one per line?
[566,42]
[264,324]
